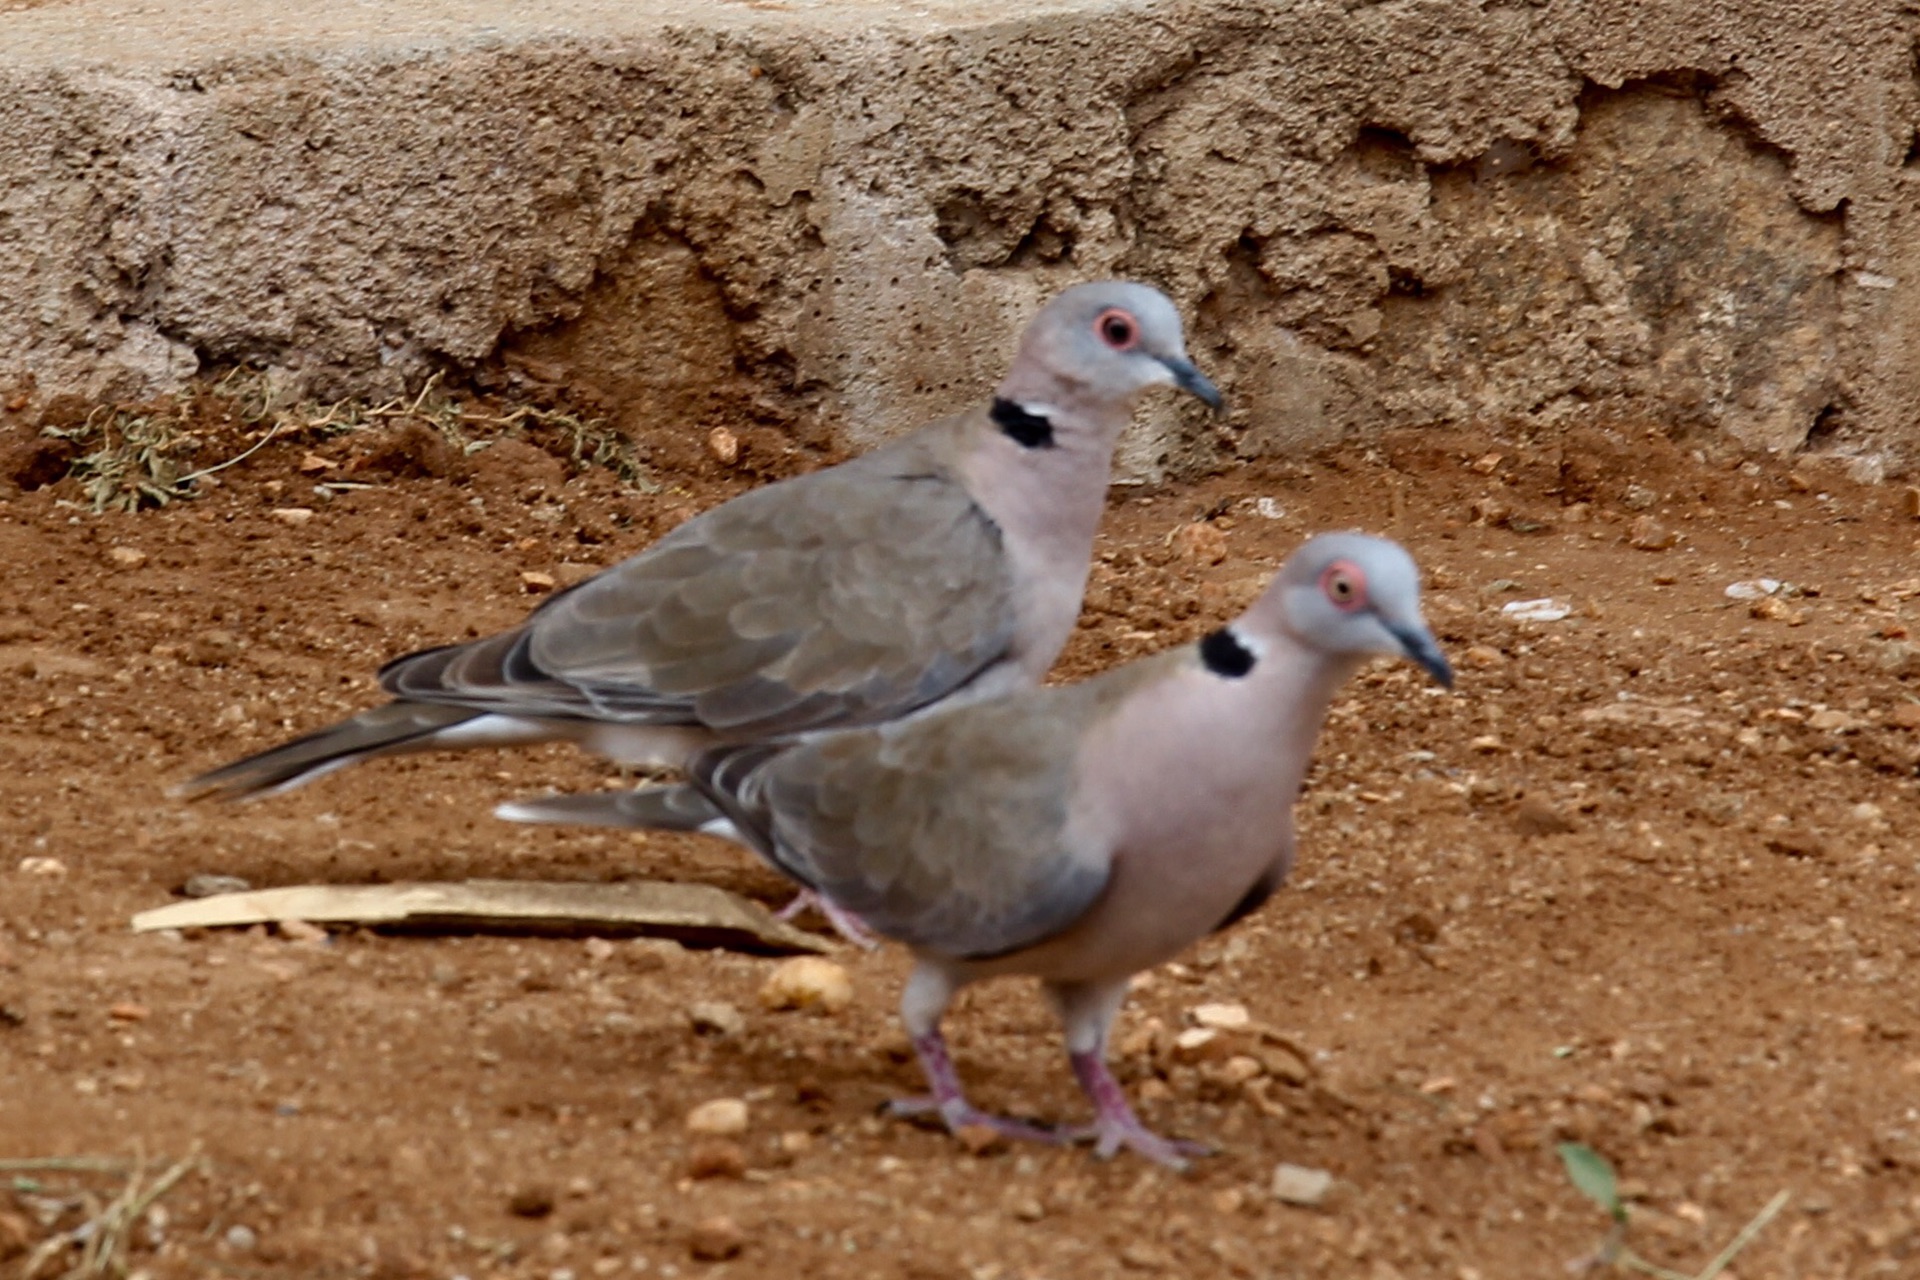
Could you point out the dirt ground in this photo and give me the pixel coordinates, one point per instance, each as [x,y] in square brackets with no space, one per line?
[1647,880]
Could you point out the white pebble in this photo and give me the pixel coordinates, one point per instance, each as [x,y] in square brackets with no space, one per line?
[1543,610]
[720,1118]
[1221,1017]
[1297,1184]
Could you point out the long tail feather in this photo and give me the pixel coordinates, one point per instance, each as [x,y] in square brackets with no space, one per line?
[388,730]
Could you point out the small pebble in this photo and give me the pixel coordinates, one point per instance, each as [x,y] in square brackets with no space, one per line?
[981,1139]
[1201,542]
[808,983]
[1536,610]
[716,1017]
[535,581]
[724,446]
[1196,1043]
[126,557]
[1535,817]
[1239,1069]
[531,1202]
[295,516]
[301,931]
[1648,534]
[128,1011]
[718,1158]
[720,1118]
[1297,1184]
[598,949]
[716,1239]
[45,868]
[208,885]
[1482,657]
[241,1239]
[1221,1017]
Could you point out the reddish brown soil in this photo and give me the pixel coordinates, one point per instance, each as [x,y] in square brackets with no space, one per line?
[1647,879]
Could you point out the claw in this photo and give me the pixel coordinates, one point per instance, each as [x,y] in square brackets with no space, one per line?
[1115,1126]
[951,1105]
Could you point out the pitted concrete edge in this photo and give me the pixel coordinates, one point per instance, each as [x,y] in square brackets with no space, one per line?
[839,213]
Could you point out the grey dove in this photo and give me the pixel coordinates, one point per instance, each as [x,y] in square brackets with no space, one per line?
[1084,833]
[948,564]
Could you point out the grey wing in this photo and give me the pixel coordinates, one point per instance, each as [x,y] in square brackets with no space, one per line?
[948,833]
[847,596]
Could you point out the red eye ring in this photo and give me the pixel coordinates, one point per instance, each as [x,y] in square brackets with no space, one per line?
[1345,586]
[1116,328]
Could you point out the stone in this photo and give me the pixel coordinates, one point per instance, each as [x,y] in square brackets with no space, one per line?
[1536,817]
[207,884]
[1298,1185]
[537,582]
[809,984]
[1648,534]
[1221,1016]
[1482,657]
[534,1201]
[716,1017]
[43,868]
[981,1139]
[1239,1069]
[718,1158]
[716,1239]
[1201,542]
[719,1118]
[295,516]
[724,446]
[126,557]
[301,931]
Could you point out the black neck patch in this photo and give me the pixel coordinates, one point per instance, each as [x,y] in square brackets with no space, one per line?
[1026,429]
[1225,655]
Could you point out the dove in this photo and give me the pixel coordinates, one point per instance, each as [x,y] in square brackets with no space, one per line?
[948,564]
[1080,834]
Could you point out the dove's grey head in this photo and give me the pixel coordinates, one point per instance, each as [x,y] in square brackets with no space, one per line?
[1351,594]
[1105,343]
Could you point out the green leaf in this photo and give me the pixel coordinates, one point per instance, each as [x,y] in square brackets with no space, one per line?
[1591,1175]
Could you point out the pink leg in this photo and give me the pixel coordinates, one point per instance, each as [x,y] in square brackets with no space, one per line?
[845,923]
[1115,1126]
[950,1102]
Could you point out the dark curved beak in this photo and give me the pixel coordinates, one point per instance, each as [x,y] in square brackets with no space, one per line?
[1194,382]
[1419,645]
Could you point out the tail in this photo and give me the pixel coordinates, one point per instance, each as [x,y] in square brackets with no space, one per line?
[667,808]
[389,730]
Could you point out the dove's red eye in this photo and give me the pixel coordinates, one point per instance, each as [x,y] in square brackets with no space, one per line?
[1117,329]
[1344,585]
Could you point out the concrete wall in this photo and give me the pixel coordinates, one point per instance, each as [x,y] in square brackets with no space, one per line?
[1695,212]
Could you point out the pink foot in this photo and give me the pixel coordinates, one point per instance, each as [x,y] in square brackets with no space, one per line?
[951,1105]
[845,923]
[1115,1126]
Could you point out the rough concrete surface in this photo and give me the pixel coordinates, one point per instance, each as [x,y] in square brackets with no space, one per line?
[1699,212]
